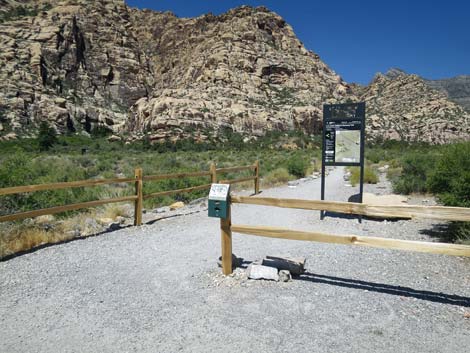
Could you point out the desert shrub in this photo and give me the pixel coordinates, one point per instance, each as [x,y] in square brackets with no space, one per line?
[449,176]
[20,169]
[415,170]
[276,177]
[297,166]
[393,173]
[47,136]
[450,180]
[370,176]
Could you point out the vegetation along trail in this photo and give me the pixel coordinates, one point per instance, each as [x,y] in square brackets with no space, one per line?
[158,288]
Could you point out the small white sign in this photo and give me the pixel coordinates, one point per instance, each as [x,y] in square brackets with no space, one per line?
[219,192]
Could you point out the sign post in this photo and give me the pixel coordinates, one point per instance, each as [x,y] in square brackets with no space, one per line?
[343,140]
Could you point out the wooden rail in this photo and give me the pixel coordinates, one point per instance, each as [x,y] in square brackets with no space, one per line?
[399,211]
[60,209]
[240,180]
[66,185]
[175,176]
[178,191]
[137,198]
[375,242]
[235,169]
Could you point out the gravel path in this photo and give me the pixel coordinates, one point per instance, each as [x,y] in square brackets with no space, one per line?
[157,288]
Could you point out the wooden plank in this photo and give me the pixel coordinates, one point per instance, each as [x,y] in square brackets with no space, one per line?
[399,211]
[384,243]
[171,192]
[235,181]
[226,242]
[257,177]
[64,185]
[213,172]
[138,206]
[175,176]
[60,209]
[235,169]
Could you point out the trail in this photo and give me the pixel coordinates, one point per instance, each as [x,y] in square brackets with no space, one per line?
[157,288]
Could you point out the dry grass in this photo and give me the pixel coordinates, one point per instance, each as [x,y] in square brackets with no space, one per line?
[28,236]
[114,211]
[276,177]
[18,237]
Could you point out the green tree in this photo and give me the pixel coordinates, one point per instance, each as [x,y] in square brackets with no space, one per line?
[47,136]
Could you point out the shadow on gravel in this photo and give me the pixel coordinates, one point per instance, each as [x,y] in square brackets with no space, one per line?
[358,218]
[446,232]
[356,198]
[386,288]
[44,246]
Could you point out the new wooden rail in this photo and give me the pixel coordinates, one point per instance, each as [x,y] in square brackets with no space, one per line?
[137,198]
[399,211]
[402,211]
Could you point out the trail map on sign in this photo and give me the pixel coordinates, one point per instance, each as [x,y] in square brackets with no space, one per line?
[343,134]
[348,146]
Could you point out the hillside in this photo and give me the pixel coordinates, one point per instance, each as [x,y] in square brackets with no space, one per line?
[456,88]
[87,66]
[403,107]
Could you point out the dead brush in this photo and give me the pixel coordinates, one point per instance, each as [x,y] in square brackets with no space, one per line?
[16,238]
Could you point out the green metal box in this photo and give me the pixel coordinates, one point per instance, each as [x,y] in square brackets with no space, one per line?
[219,201]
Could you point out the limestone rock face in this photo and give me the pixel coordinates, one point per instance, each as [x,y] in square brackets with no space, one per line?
[404,107]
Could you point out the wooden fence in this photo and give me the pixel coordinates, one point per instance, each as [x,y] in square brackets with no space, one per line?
[402,211]
[137,198]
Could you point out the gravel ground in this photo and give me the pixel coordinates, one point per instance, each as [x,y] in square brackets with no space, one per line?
[157,288]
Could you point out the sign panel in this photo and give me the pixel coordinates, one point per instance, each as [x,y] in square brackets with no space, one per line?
[343,134]
[343,139]
[219,192]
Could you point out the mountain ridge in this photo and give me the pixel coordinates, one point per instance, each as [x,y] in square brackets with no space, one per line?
[85,65]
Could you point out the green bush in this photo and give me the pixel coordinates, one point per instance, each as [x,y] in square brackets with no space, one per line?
[415,170]
[277,176]
[370,176]
[47,136]
[20,169]
[297,166]
[449,176]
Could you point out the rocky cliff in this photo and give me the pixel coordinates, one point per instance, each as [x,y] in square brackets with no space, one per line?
[400,106]
[244,71]
[85,65]
[76,64]
[456,88]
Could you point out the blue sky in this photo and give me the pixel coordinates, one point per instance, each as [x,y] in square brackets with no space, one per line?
[359,38]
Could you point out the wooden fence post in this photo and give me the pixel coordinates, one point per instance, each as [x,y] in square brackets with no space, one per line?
[226,238]
[257,177]
[139,193]
[213,171]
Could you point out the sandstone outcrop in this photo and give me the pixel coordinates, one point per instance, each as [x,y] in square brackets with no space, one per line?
[87,65]
[76,64]
[400,106]
[456,88]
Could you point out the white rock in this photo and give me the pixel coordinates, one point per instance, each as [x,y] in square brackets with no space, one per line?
[284,276]
[263,272]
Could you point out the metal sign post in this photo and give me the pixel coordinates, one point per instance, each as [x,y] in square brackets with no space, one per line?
[343,140]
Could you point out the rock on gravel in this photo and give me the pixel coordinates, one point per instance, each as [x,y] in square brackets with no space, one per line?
[295,266]
[176,205]
[284,276]
[263,272]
